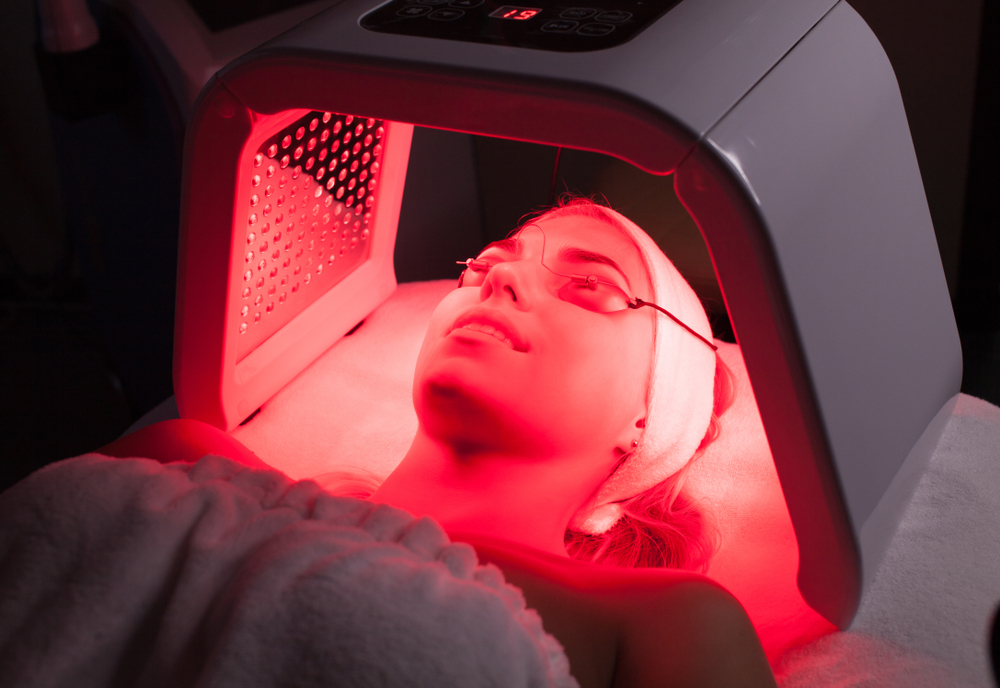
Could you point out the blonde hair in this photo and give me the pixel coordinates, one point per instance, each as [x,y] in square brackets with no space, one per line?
[660,526]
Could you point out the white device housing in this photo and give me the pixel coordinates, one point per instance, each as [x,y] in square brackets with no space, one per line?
[784,127]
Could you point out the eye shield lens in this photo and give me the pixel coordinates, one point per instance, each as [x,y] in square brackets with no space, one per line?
[590,292]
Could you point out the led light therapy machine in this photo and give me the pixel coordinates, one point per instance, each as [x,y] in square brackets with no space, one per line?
[781,122]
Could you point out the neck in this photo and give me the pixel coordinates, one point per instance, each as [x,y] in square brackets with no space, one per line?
[482,493]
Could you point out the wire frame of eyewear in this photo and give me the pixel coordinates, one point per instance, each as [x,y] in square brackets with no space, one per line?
[586,291]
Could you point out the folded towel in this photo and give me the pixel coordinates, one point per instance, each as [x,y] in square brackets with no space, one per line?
[129,572]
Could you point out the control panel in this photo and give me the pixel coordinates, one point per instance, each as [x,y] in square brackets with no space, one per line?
[541,26]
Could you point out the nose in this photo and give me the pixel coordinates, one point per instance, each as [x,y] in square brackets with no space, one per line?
[517,282]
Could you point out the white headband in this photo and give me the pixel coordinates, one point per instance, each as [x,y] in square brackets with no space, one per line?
[679,400]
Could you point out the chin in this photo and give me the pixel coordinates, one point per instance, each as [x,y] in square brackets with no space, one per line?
[457,387]
[462,402]
[470,364]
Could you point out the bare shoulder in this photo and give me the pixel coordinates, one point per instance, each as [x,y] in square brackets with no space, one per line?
[635,627]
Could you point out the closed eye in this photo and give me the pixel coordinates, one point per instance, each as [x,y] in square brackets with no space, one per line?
[573,254]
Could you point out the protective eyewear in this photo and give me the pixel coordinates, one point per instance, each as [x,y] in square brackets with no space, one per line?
[590,292]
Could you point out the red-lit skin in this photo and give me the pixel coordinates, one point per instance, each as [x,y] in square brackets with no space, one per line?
[532,433]
[513,440]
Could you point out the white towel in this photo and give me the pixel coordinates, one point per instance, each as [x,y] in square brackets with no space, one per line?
[925,621]
[131,573]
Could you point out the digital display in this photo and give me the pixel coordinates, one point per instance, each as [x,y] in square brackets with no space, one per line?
[511,12]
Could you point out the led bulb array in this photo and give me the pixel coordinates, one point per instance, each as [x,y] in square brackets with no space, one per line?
[308,219]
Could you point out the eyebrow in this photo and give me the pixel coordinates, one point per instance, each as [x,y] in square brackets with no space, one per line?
[511,245]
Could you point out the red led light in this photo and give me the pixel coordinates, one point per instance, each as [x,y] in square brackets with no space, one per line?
[518,13]
[330,147]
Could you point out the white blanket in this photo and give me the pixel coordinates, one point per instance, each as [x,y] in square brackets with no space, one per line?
[130,573]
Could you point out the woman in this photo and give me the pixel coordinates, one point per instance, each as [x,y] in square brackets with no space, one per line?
[556,414]
[546,417]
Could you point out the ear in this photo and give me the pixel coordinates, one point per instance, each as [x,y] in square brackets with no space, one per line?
[629,436]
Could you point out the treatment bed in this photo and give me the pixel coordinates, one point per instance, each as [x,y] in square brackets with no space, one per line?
[924,622]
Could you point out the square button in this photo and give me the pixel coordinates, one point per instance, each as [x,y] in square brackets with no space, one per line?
[595,29]
[577,13]
[559,26]
[445,15]
[413,11]
[614,16]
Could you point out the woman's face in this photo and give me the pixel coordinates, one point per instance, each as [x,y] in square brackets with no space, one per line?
[509,367]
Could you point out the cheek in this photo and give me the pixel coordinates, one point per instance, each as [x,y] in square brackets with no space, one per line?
[637,354]
[599,376]
[437,329]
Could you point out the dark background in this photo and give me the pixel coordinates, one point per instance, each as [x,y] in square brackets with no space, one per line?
[85,327]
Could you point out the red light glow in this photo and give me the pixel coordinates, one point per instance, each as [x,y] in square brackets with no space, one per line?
[308,216]
[518,13]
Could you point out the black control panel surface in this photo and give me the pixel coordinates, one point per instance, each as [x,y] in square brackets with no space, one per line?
[538,24]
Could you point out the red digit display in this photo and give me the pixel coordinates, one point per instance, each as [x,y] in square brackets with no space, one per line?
[511,12]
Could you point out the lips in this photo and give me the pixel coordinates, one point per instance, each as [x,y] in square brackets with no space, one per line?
[491,322]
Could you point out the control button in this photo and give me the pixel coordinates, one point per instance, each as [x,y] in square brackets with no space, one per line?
[577,13]
[466,4]
[614,16]
[432,2]
[595,29]
[559,26]
[413,11]
[445,15]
